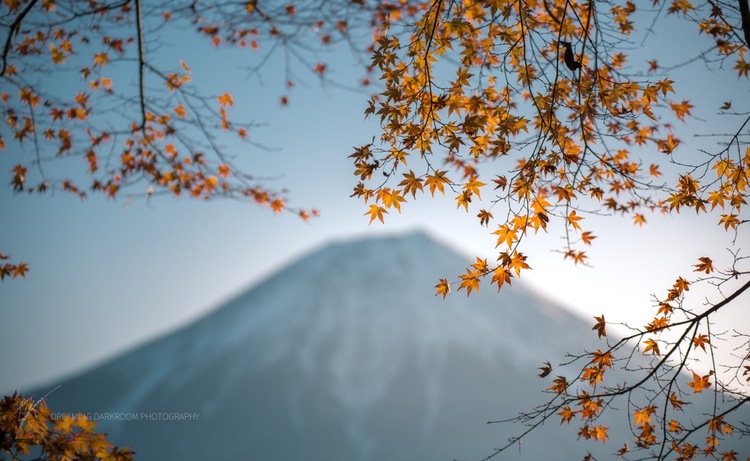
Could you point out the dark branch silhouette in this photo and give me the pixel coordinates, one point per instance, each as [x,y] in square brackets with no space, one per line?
[570,59]
[745,13]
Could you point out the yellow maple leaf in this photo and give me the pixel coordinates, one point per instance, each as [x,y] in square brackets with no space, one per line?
[376,212]
[469,281]
[518,262]
[463,199]
[411,184]
[443,288]
[651,346]
[643,415]
[505,235]
[64,425]
[473,186]
[436,182]
[600,433]
[501,276]
[101,59]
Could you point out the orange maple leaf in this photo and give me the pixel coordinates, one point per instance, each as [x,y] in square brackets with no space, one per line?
[484,217]
[566,414]
[20,270]
[573,219]
[699,383]
[180,111]
[278,205]
[676,403]
[674,426]
[705,265]
[681,285]
[599,433]
[101,59]
[681,110]
[560,385]
[600,326]
[587,237]
[226,100]
[701,341]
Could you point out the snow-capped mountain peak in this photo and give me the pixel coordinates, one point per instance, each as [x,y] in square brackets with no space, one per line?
[347,352]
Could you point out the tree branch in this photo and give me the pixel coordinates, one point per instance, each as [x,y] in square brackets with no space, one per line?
[13,30]
[745,13]
[141,65]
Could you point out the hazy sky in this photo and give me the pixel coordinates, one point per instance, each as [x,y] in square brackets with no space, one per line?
[107,275]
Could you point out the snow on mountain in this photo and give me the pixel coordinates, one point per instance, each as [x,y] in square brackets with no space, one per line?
[344,355]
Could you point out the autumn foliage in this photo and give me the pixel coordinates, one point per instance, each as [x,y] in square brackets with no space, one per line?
[28,431]
[534,115]
[87,84]
[477,84]
[531,115]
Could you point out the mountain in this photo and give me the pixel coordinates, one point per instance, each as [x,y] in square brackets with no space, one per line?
[344,355]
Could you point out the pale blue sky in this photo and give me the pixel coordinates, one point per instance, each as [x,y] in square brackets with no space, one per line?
[107,275]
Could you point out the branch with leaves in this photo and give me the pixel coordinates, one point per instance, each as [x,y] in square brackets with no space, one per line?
[28,427]
[556,143]
[136,119]
[539,116]
[656,391]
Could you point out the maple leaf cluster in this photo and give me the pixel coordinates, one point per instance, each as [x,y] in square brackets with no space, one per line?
[484,113]
[532,116]
[585,397]
[9,269]
[476,83]
[27,426]
[165,142]
[164,134]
